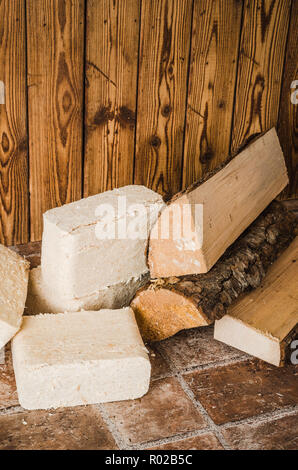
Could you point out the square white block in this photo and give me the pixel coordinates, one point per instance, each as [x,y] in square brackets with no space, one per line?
[77,261]
[79,358]
[14,274]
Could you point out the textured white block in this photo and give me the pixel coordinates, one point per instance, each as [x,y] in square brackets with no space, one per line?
[80,358]
[76,263]
[42,299]
[14,273]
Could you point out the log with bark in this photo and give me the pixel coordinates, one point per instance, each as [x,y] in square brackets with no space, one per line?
[167,305]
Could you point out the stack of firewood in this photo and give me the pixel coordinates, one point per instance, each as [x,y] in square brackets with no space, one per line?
[212,258]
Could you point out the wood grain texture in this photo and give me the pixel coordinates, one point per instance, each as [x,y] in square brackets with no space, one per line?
[111,88]
[288,114]
[262,49]
[212,78]
[14,196]
[163,66]
[55,42]
[200,223]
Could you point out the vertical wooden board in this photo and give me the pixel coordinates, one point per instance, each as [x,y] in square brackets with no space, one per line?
[55,41]
[262,49]
[163,66]
[214,53]
[288,113]
[14,223]
[111,84]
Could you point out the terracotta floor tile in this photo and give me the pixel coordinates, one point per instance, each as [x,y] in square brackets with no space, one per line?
[163,412]
[276,434]
[72,428]
[206,441]
[8,392]
[244,389]
[196,347]
[159,366]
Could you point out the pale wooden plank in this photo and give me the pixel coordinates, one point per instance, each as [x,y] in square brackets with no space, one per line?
[261,322]
[219,209]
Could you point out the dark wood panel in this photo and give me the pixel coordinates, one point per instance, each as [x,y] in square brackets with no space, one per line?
[214,53]
[288,113]
[163,66]
[262,49]
[111,87]
[55,41]
[14,194]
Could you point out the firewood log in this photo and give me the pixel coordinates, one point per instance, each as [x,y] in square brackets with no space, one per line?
[200,223]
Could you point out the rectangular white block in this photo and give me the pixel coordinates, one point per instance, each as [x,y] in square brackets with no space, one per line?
[42,299]
[14,273]
[77,261]
[80,358]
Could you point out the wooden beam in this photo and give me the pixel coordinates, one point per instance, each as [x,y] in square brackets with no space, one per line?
[287,127]
[14,194]
[212,78]
[55,42]
[219,209]
[162,89]
[167,305]
[259,75]
[112,42]
[263,322]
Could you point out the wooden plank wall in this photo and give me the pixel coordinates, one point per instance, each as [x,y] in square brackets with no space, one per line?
[14,194]
[103,93]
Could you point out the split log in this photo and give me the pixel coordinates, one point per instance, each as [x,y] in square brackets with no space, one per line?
[264,322]
[167,305]
[199,224]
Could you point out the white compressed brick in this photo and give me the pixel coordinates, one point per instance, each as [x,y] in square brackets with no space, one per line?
[79,358]
[14,273]
[42,299]
[76,263]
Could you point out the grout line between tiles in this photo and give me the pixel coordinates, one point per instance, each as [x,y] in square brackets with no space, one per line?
[208,420]
[210,365]
[213,427]
[262,418]
[112,427]
[173,439]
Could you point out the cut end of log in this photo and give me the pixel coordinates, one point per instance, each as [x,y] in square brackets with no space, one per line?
[237,334]
[161,313]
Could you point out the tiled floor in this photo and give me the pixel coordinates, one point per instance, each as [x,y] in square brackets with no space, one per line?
[203,395]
